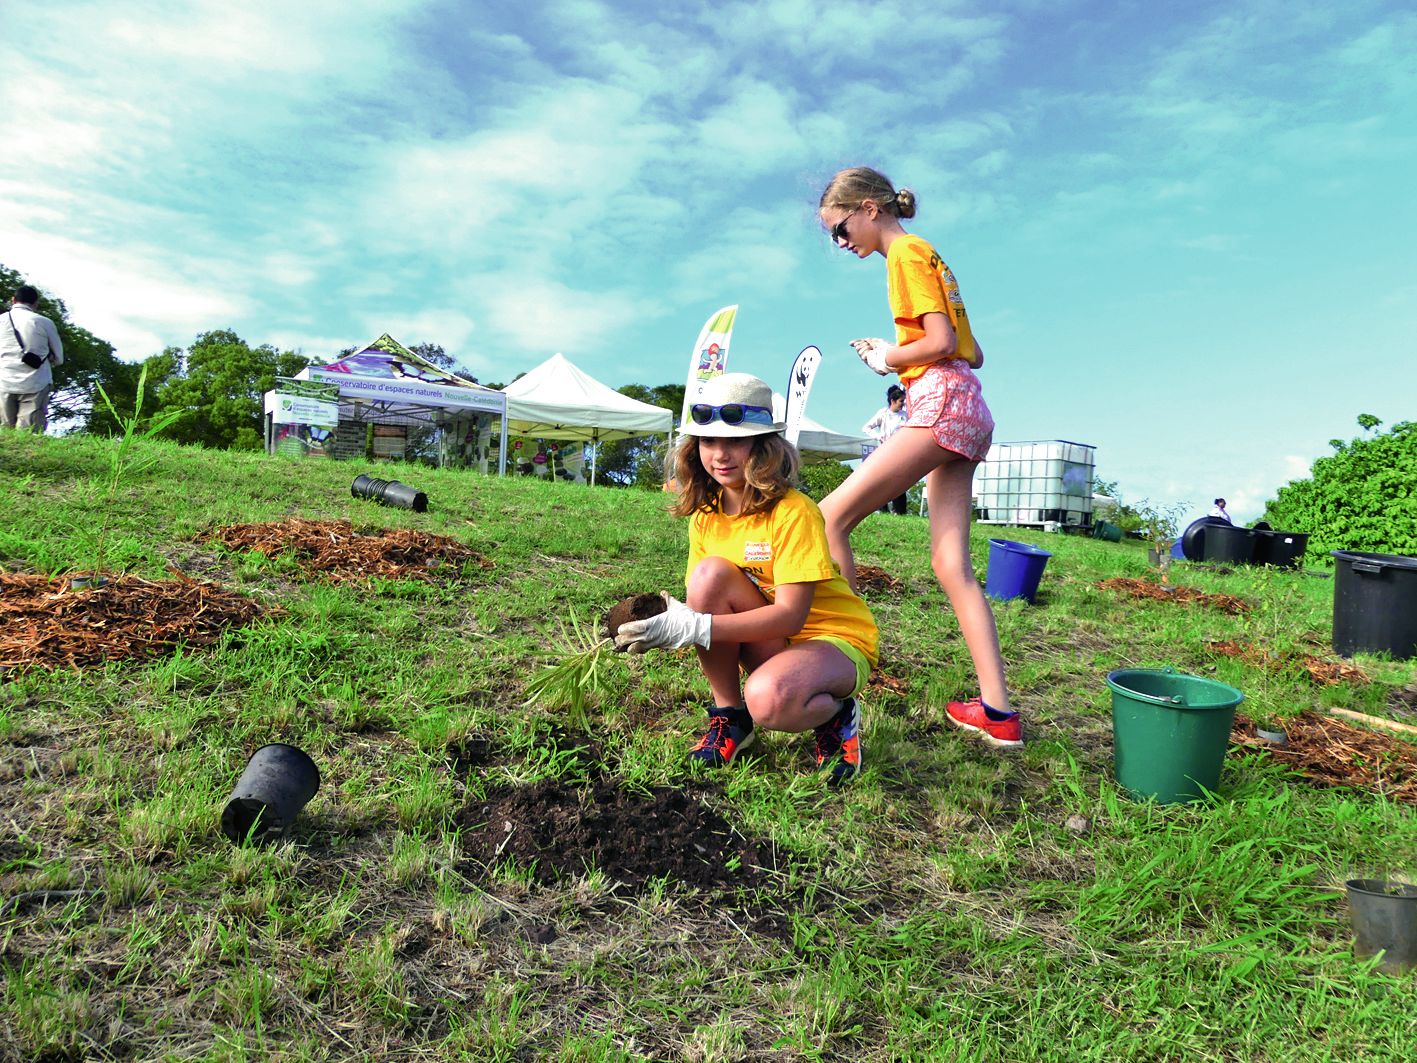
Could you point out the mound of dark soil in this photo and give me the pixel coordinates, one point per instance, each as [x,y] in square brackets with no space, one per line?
[334,550]
[635,607]
[560,831]
[44,625]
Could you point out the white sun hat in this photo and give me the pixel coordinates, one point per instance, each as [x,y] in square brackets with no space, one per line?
[736,404]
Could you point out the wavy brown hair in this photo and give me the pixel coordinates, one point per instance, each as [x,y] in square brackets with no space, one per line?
[850,188]
[770,472]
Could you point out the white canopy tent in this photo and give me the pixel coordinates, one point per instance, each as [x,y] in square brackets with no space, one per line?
[817,442]
[557,400]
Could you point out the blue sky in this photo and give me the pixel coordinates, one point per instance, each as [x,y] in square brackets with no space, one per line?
[1188,237]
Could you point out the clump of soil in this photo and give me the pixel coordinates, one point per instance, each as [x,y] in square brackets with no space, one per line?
[635,607]
[1325,673]
[334,550]
[1333,753]
[43,625]
[1141,588]
[559,830]
[877,580]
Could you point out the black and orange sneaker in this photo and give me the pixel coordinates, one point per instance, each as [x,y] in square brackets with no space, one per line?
[839,744]
[730,731]
[997,728]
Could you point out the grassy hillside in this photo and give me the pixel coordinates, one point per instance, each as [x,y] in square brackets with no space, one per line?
[942,908]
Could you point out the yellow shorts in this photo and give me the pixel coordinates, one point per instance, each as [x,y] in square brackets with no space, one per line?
[854,655]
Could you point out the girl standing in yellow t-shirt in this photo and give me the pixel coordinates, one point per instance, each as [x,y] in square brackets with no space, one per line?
[764,596]
[948,431]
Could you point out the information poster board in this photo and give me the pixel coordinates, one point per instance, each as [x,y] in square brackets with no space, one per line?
[304,416]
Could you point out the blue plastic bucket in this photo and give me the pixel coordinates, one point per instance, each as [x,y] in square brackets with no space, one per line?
[1015,570]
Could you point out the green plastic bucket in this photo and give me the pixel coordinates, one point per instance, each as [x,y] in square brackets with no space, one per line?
[1169,732]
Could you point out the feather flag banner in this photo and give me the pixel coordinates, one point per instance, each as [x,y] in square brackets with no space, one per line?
[799,383]
[709,356]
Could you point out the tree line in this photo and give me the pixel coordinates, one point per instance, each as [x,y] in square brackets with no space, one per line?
[216,384]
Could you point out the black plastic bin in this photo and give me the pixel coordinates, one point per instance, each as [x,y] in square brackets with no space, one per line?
[1193,538]
[1374,604]
[1229,545]
[1279,548]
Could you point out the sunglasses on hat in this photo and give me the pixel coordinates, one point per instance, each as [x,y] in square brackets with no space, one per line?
[732,413]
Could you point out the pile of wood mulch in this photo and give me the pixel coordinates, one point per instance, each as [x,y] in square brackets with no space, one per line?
[334,550]
[1321,671]
[45,625]
[1143,588]
[1333,753]
[883,683]
[877,580]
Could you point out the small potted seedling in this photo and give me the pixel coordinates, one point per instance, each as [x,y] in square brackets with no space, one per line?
[1159,525]
[1270,729]
[575,680]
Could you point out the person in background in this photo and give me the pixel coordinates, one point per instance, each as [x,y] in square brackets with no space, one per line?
[882,426]
[763,593]
[948,432]
[29,345]
[1220,511]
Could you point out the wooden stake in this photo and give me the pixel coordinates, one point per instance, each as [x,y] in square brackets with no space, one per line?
[1375,721]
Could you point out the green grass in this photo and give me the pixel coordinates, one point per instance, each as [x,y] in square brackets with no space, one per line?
[939,909]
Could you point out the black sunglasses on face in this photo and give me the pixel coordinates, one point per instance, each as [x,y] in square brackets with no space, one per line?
[838,231]
[734,413]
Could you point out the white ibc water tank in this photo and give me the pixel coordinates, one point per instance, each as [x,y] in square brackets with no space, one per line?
[1036,482]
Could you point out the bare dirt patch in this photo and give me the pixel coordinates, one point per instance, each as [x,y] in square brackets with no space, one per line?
[1402,702]
[1142,588]
[333,550]
[44,625]
[1333,753]
[560,831]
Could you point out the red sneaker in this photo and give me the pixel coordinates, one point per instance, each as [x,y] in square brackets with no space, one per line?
[996,728]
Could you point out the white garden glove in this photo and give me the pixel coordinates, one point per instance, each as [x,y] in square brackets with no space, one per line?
[675,627]
[873,353]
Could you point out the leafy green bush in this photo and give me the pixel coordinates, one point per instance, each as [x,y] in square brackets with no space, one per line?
[821,478]
[1361,497]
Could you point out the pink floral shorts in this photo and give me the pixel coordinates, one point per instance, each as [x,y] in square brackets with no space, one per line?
[947,400]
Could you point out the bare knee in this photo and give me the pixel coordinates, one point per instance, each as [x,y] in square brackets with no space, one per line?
[834,516]
[955,574]
[711,582]
[767,698]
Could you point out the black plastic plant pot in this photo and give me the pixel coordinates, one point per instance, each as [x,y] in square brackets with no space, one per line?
[1384,916]
[1374,604]
[278,782]
[389,493]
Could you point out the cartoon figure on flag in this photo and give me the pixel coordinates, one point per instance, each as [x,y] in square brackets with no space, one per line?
[709,357]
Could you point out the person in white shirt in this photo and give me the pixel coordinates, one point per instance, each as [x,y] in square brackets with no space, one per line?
[29,346]
[889,419]
[1219,511]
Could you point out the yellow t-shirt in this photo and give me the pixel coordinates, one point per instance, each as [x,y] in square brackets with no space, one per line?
[788,544]
[919,283]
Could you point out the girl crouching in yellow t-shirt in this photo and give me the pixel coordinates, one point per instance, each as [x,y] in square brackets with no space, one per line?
[763,593]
